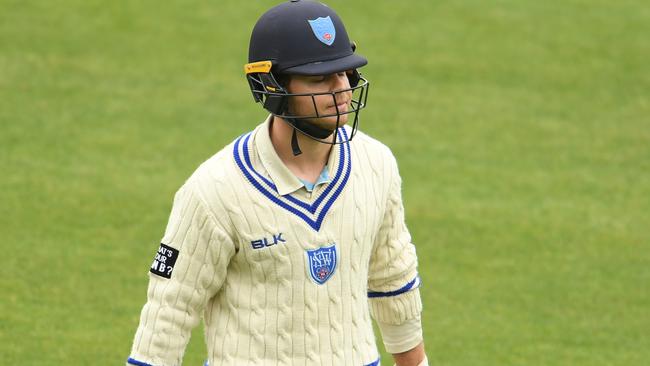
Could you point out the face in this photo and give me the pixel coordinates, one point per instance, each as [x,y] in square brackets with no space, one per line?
[325,104]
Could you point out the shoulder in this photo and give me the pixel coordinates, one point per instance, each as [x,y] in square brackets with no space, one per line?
[216,181]
[215,170]
[369,144]
[373,152]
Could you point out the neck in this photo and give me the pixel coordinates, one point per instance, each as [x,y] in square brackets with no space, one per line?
[307,165]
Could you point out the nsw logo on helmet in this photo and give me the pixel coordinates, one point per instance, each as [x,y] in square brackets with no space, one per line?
[323,29]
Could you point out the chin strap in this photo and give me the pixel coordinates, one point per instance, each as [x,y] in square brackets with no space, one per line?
[308,129]
[294,143]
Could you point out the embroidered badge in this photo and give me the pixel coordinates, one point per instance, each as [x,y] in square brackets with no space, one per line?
[323,29]
[321,263]
[163,264]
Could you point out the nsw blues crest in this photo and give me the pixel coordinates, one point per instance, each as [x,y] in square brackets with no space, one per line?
[321,263]
[323,29]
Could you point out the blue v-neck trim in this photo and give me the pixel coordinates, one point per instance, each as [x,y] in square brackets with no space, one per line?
[289,202]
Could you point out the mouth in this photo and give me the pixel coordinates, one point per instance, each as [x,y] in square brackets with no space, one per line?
[342,107]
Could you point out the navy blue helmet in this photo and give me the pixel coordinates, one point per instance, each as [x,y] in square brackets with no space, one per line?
[302,37]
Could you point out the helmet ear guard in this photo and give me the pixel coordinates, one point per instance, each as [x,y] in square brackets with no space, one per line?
[265,88]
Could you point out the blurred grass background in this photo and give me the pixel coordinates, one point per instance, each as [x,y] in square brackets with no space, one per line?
[522,130]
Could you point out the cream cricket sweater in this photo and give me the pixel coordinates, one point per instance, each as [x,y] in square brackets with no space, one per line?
[280,275]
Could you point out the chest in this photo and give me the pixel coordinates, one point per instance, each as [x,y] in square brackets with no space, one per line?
[313,237]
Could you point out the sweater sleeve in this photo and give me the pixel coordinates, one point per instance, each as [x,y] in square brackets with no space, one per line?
[393,280]
[189,268]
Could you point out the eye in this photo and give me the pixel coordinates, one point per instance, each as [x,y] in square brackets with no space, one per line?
[317,79]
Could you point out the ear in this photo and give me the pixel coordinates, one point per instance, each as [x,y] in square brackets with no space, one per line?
[354,77]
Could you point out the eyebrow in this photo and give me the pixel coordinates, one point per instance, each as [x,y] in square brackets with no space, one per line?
[325,76]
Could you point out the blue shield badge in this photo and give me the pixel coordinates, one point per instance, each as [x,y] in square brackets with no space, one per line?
[323,29]
[322,263]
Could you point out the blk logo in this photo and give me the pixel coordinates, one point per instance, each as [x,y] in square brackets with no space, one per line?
[268,242]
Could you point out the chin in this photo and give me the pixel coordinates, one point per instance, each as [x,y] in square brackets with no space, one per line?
[330,122]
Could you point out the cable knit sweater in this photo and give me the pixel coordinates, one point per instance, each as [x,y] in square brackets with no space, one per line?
[280,275]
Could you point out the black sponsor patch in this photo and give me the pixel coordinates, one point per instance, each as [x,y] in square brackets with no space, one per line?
[163,264]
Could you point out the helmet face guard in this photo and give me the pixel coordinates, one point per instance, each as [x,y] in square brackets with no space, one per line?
[275,98]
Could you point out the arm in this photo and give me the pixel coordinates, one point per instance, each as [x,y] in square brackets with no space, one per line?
[393,282]
[412,357]
[198,252]
[404,341]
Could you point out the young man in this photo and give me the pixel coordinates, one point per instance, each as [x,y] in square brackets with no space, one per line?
[291,237]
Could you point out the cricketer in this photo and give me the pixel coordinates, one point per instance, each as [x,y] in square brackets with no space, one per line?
[289,240]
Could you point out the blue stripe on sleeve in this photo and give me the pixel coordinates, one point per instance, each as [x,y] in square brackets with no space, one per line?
[135,362]
[409,286]
[375,363]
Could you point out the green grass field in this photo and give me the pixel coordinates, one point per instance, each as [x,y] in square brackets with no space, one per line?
[522,130]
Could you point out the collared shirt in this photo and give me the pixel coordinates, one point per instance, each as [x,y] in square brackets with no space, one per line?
[323,178]
[284,179]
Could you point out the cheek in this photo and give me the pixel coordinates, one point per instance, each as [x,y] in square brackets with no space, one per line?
[324,100]
[304,102]
[304,105]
